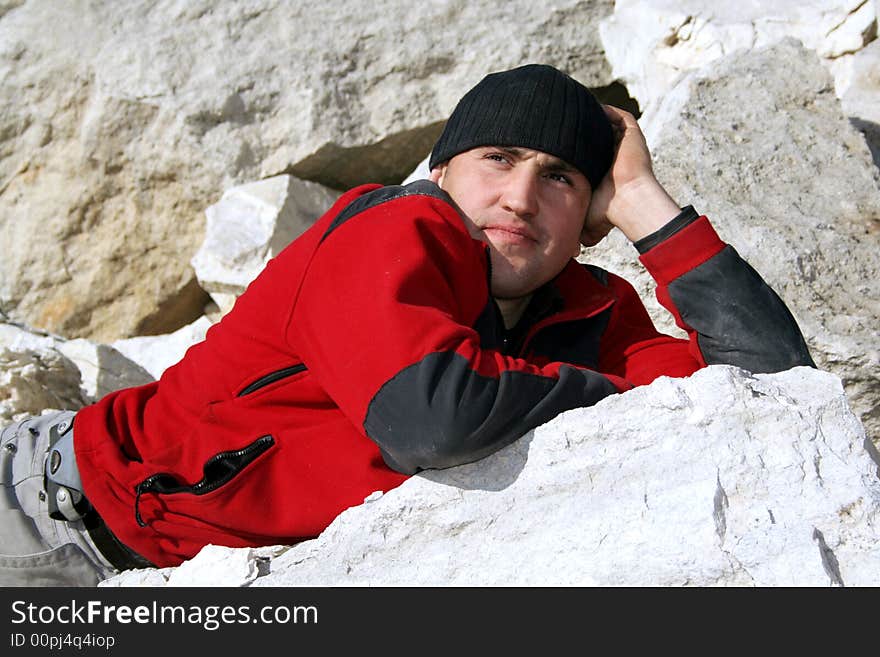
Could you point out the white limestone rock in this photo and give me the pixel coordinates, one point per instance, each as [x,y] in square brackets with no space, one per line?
[156,353]
[48,372]
[722,478]
[235,567]
[758,141]
[251,224]
[651,43]
[861,100]
[142,577]
[35,381]
[103,369]
[238,566]
[421,172]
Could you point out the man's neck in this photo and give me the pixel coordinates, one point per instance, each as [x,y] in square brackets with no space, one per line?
[513,309]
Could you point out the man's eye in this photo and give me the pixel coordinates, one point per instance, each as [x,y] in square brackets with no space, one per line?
[496,157]
[560,178]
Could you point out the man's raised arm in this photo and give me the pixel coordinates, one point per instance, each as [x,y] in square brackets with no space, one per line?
[730,313]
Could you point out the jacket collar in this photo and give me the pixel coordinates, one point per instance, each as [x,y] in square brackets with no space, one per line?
[582,293]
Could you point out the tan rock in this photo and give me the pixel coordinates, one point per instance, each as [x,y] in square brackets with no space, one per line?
[121,122]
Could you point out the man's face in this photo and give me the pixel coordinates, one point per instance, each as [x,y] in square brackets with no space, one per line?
[528,206]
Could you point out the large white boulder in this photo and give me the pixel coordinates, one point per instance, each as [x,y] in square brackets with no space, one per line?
[32,382]
[758,142]
[861,98]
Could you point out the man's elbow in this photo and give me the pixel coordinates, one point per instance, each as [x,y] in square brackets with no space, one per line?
[435,443]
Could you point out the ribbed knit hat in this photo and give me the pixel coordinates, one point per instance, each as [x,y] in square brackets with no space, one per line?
[533,106]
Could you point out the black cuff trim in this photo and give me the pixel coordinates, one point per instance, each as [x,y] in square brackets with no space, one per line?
[684,218]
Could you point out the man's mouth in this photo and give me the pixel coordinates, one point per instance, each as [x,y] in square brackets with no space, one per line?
[510,233]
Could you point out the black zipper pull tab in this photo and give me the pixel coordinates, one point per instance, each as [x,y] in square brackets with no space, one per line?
[140,489]
[149,485]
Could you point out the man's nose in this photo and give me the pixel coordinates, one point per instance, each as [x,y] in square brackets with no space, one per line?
[521,193]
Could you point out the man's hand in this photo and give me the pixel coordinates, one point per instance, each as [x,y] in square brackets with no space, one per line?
[629,196]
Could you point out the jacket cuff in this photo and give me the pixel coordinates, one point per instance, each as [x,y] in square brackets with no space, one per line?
[689,247]
[684,218]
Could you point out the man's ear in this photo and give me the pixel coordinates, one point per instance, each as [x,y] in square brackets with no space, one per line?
[437,174]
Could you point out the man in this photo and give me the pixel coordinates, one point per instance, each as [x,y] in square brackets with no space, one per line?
[411,327]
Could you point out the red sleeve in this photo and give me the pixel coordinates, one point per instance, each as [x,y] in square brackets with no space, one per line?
[632,346]
[729,312]
[634,349]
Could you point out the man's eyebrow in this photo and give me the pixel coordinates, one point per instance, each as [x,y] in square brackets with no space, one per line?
[512,150]
[559,165]
[554,164]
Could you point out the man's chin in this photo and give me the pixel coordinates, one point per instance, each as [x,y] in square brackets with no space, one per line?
[511,292]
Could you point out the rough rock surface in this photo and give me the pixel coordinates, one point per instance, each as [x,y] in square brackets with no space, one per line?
[32,382]
[723,478]
[155,353]
[41,371]
[214,566]
[759,143]
[650,43]
[103,368]
[861,98]
[121,122]
[250,224]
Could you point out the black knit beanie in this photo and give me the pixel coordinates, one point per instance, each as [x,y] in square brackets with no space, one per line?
[533,106]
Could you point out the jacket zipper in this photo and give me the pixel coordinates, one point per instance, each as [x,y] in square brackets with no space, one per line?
[218,470]
[272,377]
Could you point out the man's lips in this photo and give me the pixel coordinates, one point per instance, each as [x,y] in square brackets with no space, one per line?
[510,232]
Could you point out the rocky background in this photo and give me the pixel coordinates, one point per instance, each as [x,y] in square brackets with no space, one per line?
[154,155]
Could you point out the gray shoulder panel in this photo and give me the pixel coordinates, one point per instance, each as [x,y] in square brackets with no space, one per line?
[383,195]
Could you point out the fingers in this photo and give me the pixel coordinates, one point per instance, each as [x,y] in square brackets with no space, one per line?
[436,175]
[617,115]
[620,120]
[618,126]
[592,235]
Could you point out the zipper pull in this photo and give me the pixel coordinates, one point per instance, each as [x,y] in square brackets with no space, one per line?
[148,485]
[144,487]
